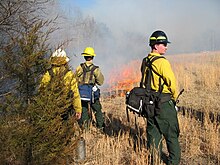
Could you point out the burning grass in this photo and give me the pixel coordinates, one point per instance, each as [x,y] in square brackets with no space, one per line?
[124,143]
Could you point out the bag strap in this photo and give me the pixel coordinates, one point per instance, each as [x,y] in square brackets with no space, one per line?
[147,62]
[88,69]
[143,67]
[92,73]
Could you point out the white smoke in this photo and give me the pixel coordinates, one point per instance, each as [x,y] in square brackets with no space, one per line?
[123,28]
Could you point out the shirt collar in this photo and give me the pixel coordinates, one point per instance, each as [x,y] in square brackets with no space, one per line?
[89,62]
[154,54]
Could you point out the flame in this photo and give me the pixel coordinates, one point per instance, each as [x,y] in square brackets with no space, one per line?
[125,78]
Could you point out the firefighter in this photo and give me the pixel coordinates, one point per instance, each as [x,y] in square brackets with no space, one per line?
[165,122]
[59,63]
[90,75]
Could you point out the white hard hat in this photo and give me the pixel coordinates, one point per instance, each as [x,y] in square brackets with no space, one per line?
[60,53]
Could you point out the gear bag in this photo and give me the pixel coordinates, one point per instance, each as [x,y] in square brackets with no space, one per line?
[88,91]
[145,101]
[142,102]
[85,91]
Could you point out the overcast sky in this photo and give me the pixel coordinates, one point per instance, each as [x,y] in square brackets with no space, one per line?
[191,25]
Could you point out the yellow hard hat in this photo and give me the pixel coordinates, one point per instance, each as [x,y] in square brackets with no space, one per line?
[59,57]
[88,51]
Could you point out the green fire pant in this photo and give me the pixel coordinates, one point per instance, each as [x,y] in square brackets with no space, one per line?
[165,124]
[87,109]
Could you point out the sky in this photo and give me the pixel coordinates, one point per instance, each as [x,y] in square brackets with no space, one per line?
[191,25]
[186,22]
[84,3]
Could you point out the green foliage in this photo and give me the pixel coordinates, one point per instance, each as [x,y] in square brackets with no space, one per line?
[32,130]
[41,135]
[52,134]
[24,60]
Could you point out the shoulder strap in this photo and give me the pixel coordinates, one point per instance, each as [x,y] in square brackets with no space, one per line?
[143,66]
[88,69]
[92,73]
[151,62]
[147,62]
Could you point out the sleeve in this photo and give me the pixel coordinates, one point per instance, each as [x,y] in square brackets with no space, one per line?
[79,71]
[79,74]
[169,78]
[76,96]
[99,77]
[45,79]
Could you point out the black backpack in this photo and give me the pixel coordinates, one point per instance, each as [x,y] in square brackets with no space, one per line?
[144,101]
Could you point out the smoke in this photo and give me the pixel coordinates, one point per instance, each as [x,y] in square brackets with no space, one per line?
[119,30]
[190,25]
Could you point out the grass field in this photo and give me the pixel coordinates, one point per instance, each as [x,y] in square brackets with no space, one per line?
[124,142]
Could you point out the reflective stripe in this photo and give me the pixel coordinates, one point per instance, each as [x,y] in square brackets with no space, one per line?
[158,38]
[85,99]
[139,110]
[161,38]
[153,38]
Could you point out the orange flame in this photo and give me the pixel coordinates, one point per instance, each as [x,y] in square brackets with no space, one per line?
[124,79]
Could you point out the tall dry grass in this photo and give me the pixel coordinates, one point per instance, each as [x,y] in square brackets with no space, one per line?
[199,75]
[124,143]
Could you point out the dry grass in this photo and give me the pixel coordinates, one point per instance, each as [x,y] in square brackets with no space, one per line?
[199,75]
[124,143]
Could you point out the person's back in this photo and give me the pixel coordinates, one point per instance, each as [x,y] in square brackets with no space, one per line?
[89,74]
[163,68]
[96,79]
[63,80]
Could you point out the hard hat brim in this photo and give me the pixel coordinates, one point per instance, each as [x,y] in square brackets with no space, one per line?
[59,60]
[86,54]
[159,42]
